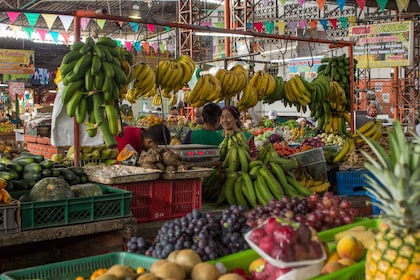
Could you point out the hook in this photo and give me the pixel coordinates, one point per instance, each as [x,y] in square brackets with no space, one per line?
[311,63]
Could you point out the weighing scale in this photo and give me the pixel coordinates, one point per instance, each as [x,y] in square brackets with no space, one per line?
[196,152]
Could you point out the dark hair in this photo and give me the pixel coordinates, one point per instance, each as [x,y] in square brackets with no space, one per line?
[159,133]
[211,113]
[235,113]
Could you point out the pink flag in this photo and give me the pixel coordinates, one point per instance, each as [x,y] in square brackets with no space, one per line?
[361,4]
[12,16]
[128,45]
[66,37]
[301,2]
[151,27]
[302,24]
[42,33]
[84,22]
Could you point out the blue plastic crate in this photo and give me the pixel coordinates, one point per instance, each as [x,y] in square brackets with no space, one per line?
[375,209]
[352,182]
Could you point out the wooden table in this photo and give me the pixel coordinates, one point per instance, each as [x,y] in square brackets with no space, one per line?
[41,246]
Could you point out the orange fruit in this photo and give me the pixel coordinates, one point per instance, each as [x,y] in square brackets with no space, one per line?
[257,264]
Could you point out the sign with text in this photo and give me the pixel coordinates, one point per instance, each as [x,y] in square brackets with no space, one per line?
[305,67]
[16,61]
[383,45]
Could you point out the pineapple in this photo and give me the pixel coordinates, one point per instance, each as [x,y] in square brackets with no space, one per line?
[395,254]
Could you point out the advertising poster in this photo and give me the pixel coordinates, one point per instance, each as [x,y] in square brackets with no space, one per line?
[16,61]
[305,67]
[382,45]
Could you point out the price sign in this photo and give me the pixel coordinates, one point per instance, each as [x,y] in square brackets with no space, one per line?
[16,88]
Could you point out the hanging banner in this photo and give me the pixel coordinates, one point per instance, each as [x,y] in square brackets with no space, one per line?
[16,61]
[383,45]
[306,67]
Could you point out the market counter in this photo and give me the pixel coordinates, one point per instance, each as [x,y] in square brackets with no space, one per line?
[41,246]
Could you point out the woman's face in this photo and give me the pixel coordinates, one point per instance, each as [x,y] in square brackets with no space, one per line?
[227,120]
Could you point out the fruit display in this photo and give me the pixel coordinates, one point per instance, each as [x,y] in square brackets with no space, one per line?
[208,235]
[7,127]
[94,75]
[286,244]
[396,193]
[252,183]
[207,89]
[9,150]
[150,120]
[91,155]
[23,172]
[173,74]
[319,212]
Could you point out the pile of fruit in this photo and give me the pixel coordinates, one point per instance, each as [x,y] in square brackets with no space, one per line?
[319,212]
[23,172]
[252,183]
[162,159]
[208,235]
[150,120]
[7,127]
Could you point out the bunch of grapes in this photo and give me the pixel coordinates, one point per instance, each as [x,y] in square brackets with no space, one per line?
[138,245]
[211,237]
[320,212]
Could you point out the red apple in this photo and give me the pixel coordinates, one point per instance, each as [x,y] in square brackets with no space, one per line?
[284,234]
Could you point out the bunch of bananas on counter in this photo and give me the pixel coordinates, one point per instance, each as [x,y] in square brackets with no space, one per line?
[173,74]
[337,69]
[207,89]
[348,147]
[93,74]
[252,183]
[305,179]
[232,81]
[264,83]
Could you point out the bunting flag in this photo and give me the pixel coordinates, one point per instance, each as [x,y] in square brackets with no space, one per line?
[382,4]
[42,33]
[101,23]
[258,26]
[302,24]
[54,35]
[219,24]
[151,27]
[118,42]
[3,27]
[301,2]
[135,26]
[16,29]
[145,46]
[206,23]
[403,5]
[49,19]
[361,4]
[137,46]
[170,47]
[292,26]
[283,2]
[120,23]
[324,23]
[84,23]
[269,26]
[341,4]
[155,46]
[66,21]
[343,22]
[281,25]
[248,25]
[162,46]
[12,16]
[333,23]
[128,45]
[167,28]
[32,18]
[66,37]
[321,4]
[313,23]
[352,20]
[28,31]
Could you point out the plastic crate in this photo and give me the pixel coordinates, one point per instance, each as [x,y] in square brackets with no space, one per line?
[10,217]
[69,270]
[314,162]
[163,199]
[114,203]
[352,182]
[375,209]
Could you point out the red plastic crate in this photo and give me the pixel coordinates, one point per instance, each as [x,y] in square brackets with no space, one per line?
[163,199]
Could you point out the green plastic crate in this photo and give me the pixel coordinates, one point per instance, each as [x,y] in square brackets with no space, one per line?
[114,203]
[69,270]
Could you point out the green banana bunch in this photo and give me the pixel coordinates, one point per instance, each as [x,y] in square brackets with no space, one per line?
[94,75]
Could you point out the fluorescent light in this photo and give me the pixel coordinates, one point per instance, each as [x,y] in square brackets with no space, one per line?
[218,34]
[286,60]
[279,50]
